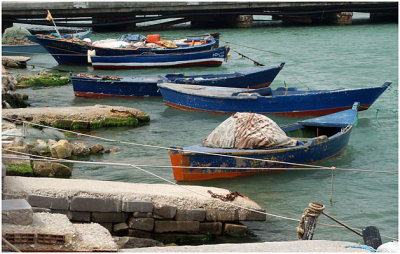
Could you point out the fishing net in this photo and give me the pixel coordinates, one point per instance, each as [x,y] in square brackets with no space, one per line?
[248,131]
[15,35]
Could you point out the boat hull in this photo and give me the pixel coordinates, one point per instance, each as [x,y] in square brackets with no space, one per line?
[184,158]
[68,52]
[312,103]
[147,86]
[35,47]
[205,58]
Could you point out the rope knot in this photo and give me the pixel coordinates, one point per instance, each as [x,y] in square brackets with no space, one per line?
[314,210]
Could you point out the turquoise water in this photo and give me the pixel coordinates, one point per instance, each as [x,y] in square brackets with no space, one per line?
[318,57]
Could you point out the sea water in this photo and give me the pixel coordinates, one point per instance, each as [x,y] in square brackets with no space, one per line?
[316,57]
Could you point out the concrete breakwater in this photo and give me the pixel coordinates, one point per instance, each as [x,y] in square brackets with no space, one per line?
[75,118]
[163,212]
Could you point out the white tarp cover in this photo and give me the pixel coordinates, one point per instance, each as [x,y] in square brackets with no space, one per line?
[248,131]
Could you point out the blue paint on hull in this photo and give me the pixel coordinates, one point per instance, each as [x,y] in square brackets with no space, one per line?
[333,142]
[213,57]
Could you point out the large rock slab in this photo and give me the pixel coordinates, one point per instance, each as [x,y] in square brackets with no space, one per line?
[16,211]
[160,195]
[87,117]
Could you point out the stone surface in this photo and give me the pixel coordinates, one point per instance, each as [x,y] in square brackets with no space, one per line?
[62,149]
[120,227]
[321,246]
[80,148]
[139,233]
[134,242]
[214,228]
[235,230]
[220,215]
[79,216]
[189,215]
[176,226]
[142,215]
[93,204]
[16,211]
[252,215]
[42,168]
[60,170]
[115,217]
[166,211]
[48,202]
[145,224]
[137,206]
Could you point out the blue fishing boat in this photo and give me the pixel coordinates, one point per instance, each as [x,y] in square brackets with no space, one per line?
[100,87]
[316,139]
[34,47]
[281,101]
[214,57]
[66,51]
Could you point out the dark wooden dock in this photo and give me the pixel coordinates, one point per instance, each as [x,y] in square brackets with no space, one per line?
[125,15]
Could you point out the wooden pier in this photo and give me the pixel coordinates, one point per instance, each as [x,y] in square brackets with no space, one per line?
[102,16]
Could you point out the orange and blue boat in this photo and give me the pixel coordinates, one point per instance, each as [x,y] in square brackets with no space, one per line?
[280,101]
[319,139]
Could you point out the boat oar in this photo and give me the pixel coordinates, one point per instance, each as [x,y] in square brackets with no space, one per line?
[254,61]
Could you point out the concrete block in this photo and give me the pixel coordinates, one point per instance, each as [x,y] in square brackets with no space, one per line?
[48,202]
[235,230]
[109,217]
[93,204]
[142,215]
[214,228]
[222,215]
[120,227]
[145,224]
[41,210]
[137,206]
[65,212]
[252,216]
[190,215]
[139,233]
[176,226]
[79,216]
[167,212]
[16,211]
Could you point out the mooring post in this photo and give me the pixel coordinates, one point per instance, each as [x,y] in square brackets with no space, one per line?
[314,210]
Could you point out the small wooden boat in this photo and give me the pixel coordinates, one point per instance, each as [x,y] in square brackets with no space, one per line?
[101,87]
[214,57]
[33,47]
[321,138]
[281,101]
[67,51]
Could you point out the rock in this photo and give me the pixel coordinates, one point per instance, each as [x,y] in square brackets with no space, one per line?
[134,242]
[16,211]
[80,149]
[235,230]
[121,227]
[62,149]
[145,224]
[41,168]
[60,170]
[96,148]
[19,169]
[167,212]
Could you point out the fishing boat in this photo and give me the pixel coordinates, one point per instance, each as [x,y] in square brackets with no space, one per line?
[71,51]
[213,58]
[32,46]
[281,101]
[100,87]
[315,140]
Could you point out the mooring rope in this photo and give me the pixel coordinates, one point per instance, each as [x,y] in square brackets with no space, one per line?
[314,210]
[206,153]
[245,46]
[43,158]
